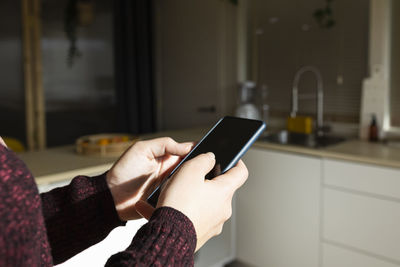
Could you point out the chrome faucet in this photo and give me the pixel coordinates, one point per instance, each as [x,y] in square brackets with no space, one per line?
[320,95]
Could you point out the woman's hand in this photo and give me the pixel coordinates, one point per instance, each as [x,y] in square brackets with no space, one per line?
[207,203]
[140,169]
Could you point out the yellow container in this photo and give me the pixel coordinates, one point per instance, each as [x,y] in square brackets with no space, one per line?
[300,124]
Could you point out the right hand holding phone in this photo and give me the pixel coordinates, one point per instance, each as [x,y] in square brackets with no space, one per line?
[207,203]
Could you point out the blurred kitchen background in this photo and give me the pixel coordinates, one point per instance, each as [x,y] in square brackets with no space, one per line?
[101,67]
[71,68]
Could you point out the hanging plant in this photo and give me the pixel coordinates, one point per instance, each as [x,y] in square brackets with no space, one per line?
[77,13]
[70,28]
[324,16]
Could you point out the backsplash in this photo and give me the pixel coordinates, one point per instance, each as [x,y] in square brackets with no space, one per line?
[285,37]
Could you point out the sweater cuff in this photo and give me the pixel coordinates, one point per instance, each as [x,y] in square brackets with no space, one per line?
[177,221]
[169,238]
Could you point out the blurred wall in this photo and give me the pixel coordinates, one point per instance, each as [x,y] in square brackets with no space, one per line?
[79,99]
[285,36]
[11,82]
[12,102]
[90,79]
[395,57]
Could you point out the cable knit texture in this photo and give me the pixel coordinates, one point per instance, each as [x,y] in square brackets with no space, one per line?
[47,229]
[78,216]
[23,240]
[168,239]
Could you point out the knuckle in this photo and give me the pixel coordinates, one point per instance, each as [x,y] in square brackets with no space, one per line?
[139,144]
[219,229]
[168,140]
[245,171]
[228,214]
[190,164]
[197,161]
[228,191]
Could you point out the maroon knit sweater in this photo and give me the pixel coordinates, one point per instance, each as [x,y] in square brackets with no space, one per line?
[47,229]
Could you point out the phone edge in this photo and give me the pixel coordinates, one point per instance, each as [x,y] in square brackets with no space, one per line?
[246,147]
[183,160]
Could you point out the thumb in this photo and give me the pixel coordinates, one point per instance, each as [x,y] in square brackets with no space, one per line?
[144,209]
[234,178]
[201,164]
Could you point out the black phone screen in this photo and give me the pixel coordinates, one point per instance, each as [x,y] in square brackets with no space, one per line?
[229,139]
[226,141]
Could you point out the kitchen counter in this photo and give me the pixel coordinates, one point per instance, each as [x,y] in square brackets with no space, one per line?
[60,163]
[55,164]
[351,150]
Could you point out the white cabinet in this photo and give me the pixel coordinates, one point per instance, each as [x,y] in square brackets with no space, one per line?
[334,256]
[278,210]
[302,211]
[362,222]
[363,178]
[361,215]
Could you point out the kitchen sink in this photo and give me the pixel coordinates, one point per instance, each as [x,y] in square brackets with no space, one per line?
[306,140]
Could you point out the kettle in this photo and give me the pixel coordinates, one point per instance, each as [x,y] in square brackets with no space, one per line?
[247,108]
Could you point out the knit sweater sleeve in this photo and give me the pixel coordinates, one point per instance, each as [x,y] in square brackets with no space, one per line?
[168,239]
[78,216]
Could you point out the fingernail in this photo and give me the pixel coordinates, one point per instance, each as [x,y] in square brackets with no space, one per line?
[210,154]
[186,145]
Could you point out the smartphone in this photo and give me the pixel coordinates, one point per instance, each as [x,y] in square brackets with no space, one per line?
[228,139]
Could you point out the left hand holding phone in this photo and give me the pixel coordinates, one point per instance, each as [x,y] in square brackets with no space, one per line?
[139,171]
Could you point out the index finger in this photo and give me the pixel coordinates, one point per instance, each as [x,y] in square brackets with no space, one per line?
[234,178]
[166,145]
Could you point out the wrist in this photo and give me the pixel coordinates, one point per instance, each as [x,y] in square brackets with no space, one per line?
[124,203]
[113,190]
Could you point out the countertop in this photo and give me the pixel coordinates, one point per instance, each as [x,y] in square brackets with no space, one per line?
[351,150]
[54,164]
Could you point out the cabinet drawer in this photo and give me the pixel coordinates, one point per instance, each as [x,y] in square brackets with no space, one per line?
[361,177]
[334,256]
[364,223]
